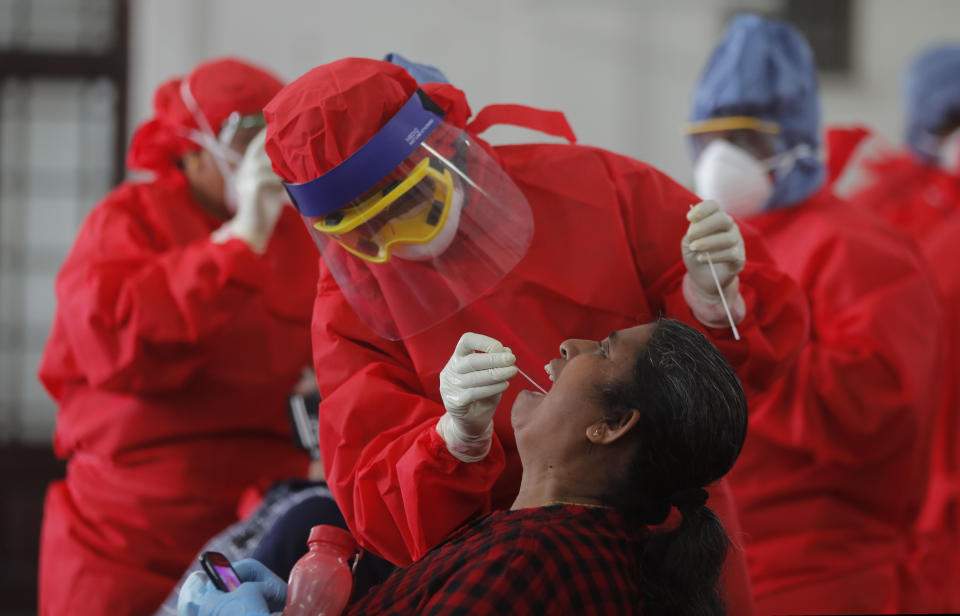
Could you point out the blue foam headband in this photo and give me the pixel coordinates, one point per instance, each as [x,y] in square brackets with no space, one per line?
[371,163]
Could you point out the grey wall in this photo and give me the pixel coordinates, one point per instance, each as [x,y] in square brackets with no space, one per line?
[621,69]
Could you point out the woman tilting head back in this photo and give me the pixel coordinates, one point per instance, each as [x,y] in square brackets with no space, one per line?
[641,421]
[634,425]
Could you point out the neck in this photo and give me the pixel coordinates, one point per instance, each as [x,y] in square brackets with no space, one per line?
[548,484]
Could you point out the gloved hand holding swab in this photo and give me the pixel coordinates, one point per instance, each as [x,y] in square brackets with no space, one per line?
[723,298]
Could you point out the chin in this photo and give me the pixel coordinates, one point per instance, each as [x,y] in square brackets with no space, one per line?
[523,405]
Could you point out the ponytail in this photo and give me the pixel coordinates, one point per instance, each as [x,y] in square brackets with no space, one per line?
[681,567]
[692,424]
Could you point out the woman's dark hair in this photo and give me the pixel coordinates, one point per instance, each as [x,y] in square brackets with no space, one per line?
[692,425]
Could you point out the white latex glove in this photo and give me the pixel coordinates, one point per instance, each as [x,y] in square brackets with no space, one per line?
[260,199]
[470,385]
[713,230]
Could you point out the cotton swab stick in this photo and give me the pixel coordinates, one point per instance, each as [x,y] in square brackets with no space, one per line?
[526,376]
[723,299]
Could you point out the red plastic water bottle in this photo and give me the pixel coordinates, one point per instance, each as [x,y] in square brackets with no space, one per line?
[321,581]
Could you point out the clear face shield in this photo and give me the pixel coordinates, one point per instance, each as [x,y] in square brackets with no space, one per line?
[226,145]
[417,224]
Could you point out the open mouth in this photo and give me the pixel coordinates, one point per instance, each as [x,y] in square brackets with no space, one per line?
[553,370]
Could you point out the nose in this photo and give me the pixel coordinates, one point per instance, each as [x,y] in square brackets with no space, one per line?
[573,347]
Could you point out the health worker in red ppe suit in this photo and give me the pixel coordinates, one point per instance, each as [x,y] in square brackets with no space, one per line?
[428,232]
[917,190]
[833,473]
[182,323]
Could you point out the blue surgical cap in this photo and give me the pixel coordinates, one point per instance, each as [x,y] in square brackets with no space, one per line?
[423,73]
[931,91]
[764,69]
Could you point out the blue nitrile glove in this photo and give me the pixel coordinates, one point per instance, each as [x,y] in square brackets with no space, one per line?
[192,592]
[246,600]
[261,593]
[273,588]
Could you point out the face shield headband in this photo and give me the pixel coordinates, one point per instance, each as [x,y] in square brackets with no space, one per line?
[363,169]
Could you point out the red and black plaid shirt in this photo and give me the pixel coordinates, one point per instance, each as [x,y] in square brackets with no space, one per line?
[562,559]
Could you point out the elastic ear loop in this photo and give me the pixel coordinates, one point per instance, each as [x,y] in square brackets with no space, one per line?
[205,137]
[785,160]
[229,131]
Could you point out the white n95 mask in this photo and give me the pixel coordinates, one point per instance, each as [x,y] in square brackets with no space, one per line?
[736,180]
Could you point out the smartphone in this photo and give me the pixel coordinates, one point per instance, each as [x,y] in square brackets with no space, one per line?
[220,571]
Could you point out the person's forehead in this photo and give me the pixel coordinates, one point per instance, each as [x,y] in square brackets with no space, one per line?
[634,337]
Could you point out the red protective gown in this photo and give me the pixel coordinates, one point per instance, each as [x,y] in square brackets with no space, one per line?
[833,473]
[914,197]
[923,201]
[842,145]
[170,357]
[940,520]
[605,255]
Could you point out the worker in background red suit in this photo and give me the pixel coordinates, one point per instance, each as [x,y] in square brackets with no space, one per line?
[427,232]
[833,474]
[917,190]
[182,323]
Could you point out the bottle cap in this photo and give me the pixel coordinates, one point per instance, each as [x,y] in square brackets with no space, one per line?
[338,537]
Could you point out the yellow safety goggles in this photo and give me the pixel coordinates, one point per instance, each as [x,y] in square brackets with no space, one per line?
[732,123]
[412,211]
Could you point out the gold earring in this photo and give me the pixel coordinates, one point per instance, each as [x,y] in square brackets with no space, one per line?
[597,432]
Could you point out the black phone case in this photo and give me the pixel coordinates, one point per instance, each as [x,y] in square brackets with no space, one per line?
[212,572]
